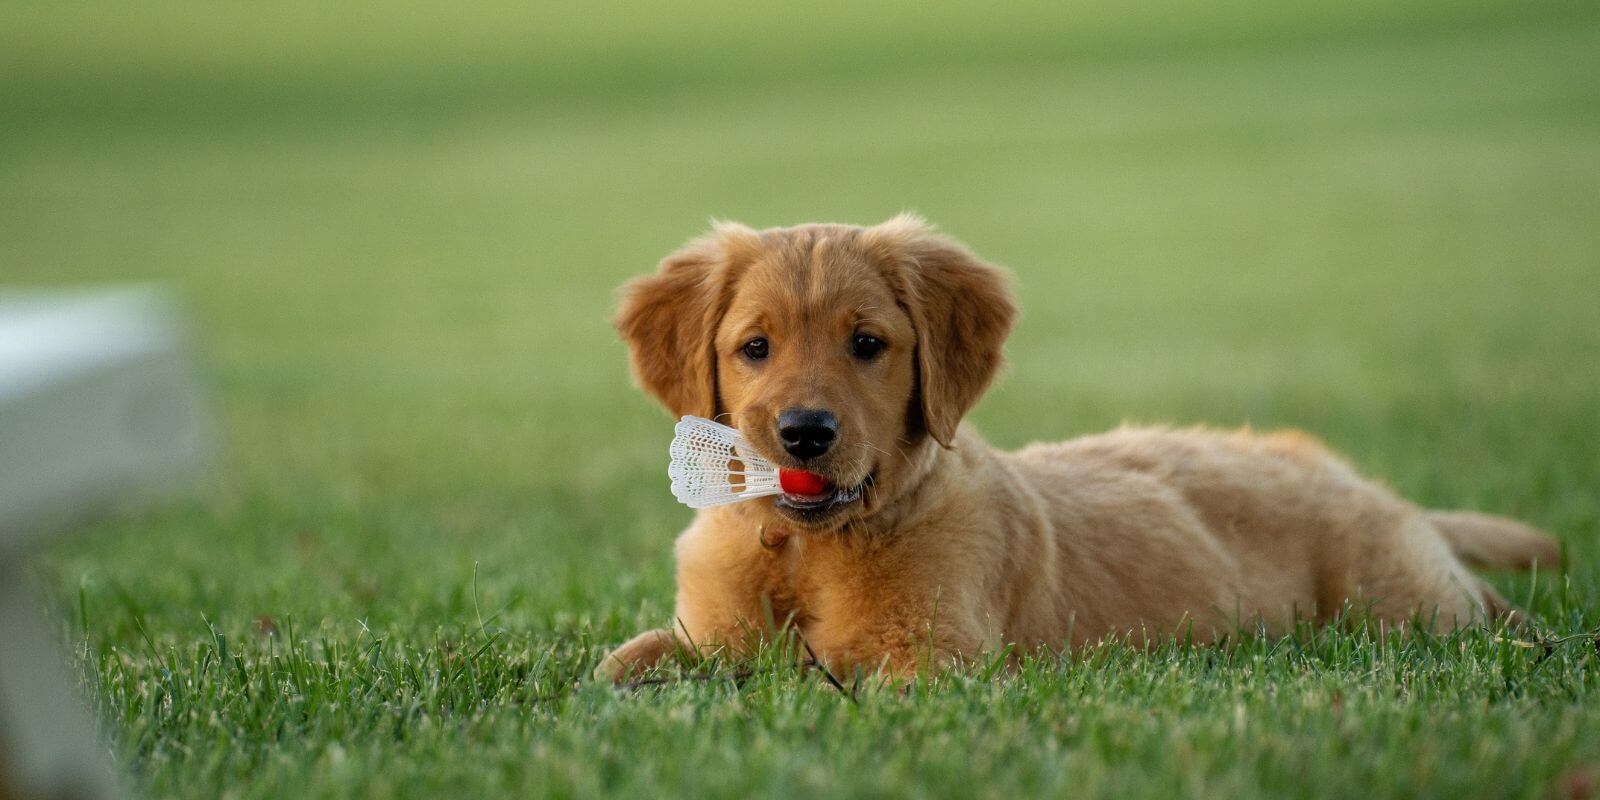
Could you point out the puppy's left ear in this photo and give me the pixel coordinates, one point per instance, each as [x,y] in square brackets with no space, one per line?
[961,308]
[669,319]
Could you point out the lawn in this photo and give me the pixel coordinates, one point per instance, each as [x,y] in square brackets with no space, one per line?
[397,234]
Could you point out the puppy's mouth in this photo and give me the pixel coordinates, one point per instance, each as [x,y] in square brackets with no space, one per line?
[814,498]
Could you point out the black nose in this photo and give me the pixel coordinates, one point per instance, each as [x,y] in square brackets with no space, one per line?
[807,433]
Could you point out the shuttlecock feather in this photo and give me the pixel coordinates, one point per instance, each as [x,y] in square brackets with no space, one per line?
[712,464]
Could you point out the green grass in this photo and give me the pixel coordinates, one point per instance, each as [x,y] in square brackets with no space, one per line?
[398,234]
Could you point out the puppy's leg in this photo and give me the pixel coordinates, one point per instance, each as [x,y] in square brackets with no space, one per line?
[1484,540]
[736,638]
[900,637]
[638,654]
[1410,573]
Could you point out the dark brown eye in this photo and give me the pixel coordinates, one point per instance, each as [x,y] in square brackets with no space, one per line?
[866,347]
[755,349]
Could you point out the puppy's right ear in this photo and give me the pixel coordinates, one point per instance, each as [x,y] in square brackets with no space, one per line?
[669,319]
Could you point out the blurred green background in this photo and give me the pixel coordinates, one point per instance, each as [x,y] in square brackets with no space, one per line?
[398,230]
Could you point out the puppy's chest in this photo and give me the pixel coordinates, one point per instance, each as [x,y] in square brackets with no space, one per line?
[809,583]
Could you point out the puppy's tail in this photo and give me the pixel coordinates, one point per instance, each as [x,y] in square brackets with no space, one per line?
[1483,540]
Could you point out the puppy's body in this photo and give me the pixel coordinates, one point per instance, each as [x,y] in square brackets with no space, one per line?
[958,549]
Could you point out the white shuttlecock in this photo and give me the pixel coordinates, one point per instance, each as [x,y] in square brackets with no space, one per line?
[712,465]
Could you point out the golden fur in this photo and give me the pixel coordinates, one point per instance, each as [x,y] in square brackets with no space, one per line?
[956,548]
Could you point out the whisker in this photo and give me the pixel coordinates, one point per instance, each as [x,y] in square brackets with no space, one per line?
[898,452]
[871,446]
[870,494]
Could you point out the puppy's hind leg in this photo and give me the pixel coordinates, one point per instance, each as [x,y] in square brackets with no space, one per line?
[1490,542]
[1409,574]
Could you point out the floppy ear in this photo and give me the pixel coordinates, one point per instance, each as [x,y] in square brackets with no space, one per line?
[961,308]
[669,319]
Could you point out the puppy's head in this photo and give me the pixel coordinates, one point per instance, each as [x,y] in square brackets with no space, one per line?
[837,350]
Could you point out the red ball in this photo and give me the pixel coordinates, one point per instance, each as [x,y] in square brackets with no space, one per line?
[796,481]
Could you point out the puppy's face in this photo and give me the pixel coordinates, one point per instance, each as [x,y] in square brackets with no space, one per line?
[815,365]
[836,350]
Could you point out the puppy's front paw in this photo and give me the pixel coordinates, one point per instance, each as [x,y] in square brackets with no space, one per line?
[639,653]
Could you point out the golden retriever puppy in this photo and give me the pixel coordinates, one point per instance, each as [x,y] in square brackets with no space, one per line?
[853,353]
